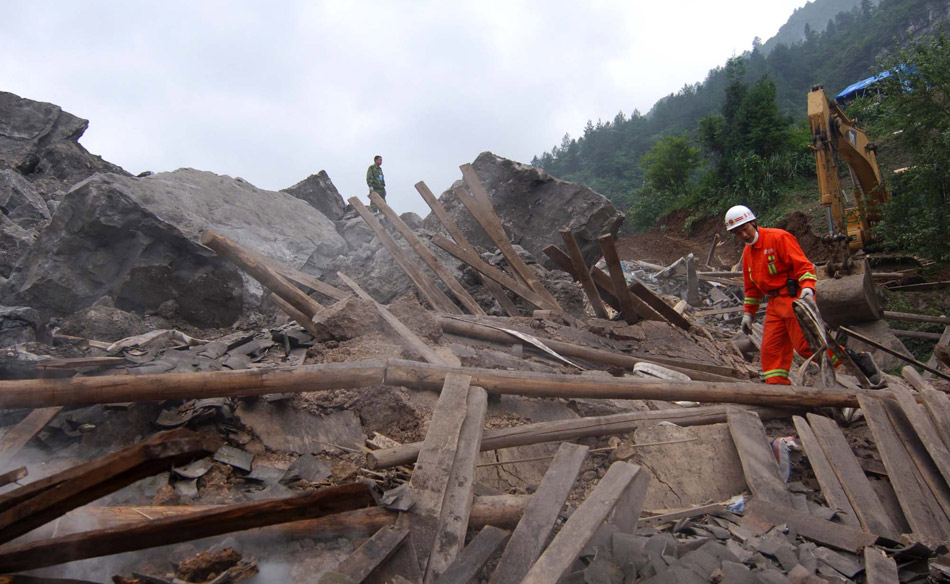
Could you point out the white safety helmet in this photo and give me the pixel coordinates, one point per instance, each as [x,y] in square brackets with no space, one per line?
[738,215]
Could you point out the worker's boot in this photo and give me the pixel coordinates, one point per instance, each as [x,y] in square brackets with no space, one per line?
[866,364]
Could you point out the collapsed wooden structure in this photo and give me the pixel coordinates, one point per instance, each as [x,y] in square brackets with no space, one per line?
[426,539]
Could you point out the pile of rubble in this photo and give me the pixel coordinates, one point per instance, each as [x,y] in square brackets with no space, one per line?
[207,382]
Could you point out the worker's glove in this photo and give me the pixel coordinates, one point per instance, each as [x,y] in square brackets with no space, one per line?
[747,323]
[807,293]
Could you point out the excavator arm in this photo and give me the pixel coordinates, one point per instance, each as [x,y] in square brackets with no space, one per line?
[836,137]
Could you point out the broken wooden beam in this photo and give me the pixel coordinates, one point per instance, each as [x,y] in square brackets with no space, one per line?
[12,476]
[375,551]
[306,322]
[695,370]
[582,273]
[442,482]
[528,540]
[427,256]
[631,308]
[878,568]
[916,334]
[17,437]
[79,363]
[503,511]
[811,527]
[692,282]
[474,556]
[851,333]
[261,272]
[433,295]
[572,429]
[453,229]
[609,496]
[831,487]
[712,250]
[560,258]
[755,453]
[472,260]
[74,391]
[226,519]
[925,428]
[41,501]
[864,500]
[484,213]
[428,376]
[410,339]
[908,317]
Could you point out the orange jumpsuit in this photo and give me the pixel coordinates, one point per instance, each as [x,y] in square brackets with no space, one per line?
[766,266]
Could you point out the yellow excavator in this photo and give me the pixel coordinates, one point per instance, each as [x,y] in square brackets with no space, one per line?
[849,222]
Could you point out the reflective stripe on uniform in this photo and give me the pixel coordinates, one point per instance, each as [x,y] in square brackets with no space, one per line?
[775,373]
[808,276]
[752,300]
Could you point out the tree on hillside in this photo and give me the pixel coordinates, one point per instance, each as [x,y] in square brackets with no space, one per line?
[668,167]
[915,112]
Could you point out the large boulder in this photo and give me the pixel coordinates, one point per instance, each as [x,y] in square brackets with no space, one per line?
[136,240]
[41,142]
[533,206]
[320,192]
[22,213]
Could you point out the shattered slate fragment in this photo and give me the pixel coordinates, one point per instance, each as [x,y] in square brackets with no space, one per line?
[234,457]
[187,488]
[307,468]
[195,470]
[267,475]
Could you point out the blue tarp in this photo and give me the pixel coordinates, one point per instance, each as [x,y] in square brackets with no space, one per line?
[856,89]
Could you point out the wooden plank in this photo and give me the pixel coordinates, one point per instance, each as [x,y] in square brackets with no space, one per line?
[298,277]
[925,429]
[433,295]
[471,259]
[878,568]
[929,472]
[631,308]
[541,513]
[167,531]
[300,318]
[944,340]
[758,463]
[692,282]
[890,351]
[452,227]
[484,213]
[39,502]
[712,250]
[427,256]
[938,406]
[79,363]
[923,514]
[260,271]
[864,501]
[584,522]
[919,287]
[715,311]
[682,514]
[916,380]
[475,555]
[916,334]
[12,476]
[17,437]
[811,527]
[581,273]
[374,552]
[436,536]
[908,317]
[411,339]
[825,473]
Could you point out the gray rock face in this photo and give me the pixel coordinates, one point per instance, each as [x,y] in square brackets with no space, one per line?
[320,192]
[136,240]
[22,213]
[533,206]
[41,142]
[18,324]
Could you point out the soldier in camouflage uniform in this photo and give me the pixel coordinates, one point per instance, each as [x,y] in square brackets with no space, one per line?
[375,180]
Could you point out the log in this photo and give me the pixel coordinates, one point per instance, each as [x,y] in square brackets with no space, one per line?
[39,502]
[564,262]
[630,309]
[302,319]
[452,227]
[433,295]
[79,391]
[890,351]
[498,510]
[410,339]
[695,370]
[916,334]
[259,271]
[908,317]
[847,300]
[92,544]
[582,274]
[427,376]
[572,429]
[427,256]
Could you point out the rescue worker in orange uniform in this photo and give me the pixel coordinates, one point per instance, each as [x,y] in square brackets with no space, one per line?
[773,266]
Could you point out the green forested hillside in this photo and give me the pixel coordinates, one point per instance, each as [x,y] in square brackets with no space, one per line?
[812,16]
[742,131]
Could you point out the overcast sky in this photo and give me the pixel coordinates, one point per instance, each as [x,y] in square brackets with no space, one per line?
[274,92]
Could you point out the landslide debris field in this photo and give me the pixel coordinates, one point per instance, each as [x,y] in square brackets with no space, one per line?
[203,381]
